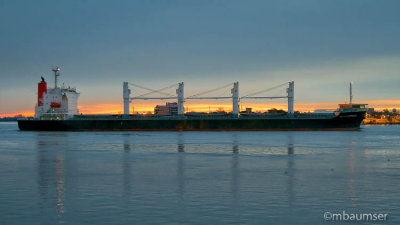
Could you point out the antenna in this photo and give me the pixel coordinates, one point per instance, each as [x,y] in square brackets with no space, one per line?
[56,74]
[351,94]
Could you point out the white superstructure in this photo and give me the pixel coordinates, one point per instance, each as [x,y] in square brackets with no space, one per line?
[57,102]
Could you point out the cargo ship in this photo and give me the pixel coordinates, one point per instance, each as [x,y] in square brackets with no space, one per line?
[57,110]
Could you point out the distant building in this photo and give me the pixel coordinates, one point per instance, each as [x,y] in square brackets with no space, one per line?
[171,108]
[370,110]
[248,111]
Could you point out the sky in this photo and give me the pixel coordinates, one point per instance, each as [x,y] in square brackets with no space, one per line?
[321,45]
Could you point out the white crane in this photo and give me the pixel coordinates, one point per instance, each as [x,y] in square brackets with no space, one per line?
[289,96]
[128,99]
[234,92]
[181,99]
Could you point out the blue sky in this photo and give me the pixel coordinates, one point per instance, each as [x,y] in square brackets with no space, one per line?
[321,45]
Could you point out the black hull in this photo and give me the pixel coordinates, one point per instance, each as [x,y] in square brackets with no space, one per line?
[344,121]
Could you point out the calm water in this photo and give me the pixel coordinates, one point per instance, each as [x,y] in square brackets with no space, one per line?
[197,177]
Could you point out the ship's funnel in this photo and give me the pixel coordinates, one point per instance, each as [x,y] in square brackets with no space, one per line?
[42,88]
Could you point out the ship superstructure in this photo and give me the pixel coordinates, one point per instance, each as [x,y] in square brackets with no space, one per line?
[56,103]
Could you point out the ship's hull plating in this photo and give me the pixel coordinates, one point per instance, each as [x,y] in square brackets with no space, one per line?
[344,121]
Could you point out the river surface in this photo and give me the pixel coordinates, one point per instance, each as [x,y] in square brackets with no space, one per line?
[197,177]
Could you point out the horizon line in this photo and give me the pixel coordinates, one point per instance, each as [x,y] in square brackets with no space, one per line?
[112,108]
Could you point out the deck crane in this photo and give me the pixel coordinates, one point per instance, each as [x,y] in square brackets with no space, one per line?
[181,99]
[128,99]
[289,96]
[234,92]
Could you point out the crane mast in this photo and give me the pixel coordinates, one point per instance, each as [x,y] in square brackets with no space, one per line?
[181,98]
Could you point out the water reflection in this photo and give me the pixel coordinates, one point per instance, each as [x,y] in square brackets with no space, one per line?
[351,173]
[52,167]
[291,169]
[224,177]
[290,144]
[180,168]
[60,182]
[235,171]
[51,171]
[235,145]
[127,138]
[181,142]
[126,166]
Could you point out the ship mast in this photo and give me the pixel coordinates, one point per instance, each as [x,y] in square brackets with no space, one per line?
[56,74]
[351,94]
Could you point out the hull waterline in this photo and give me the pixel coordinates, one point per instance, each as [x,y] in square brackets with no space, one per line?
[343,121]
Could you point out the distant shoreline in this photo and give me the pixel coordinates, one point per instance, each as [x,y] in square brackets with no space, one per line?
[368,121]
[371,124]
[371,121]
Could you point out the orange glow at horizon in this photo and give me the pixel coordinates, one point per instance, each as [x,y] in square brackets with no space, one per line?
[214,106]
[23,113]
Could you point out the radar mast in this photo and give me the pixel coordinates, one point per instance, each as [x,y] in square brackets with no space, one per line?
[56,74]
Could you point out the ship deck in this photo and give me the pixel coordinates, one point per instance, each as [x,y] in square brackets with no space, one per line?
[205,117]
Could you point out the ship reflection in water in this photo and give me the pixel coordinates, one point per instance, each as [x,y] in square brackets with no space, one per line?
[51,175]
[197,177]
